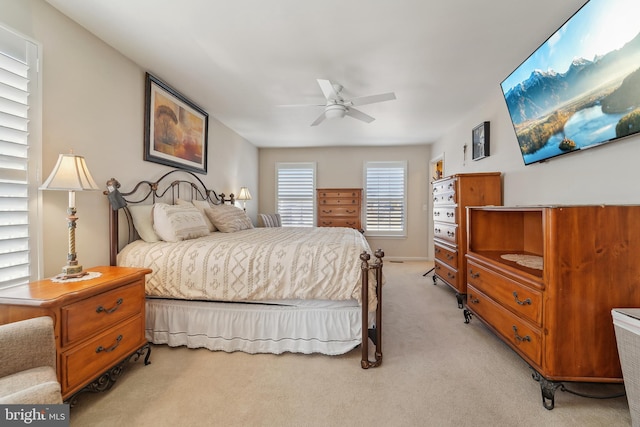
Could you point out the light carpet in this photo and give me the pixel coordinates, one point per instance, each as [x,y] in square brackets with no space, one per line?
[437,371]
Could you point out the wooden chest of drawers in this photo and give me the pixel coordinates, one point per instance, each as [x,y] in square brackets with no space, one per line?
[98,322]
[339,207]
[451,196]
[545,280]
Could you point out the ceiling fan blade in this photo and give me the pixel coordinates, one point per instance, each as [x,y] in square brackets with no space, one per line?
[300,105]
[357,114]
[319,120]
[362,100]
[328,89]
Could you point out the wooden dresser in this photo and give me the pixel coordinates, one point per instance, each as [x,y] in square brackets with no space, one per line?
[339,207]
[98,323]
[451,196]
[545,280]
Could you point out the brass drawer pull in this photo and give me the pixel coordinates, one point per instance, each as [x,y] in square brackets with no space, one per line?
[351,212]
[101,309]
[450,257]
[110,349]
[473,300]
[473,275]
[518,337]
[525,302]
[325,211]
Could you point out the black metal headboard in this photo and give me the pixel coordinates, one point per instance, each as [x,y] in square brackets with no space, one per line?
[185,185]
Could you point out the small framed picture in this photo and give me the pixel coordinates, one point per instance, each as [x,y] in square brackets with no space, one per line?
[480,141]
[176,129]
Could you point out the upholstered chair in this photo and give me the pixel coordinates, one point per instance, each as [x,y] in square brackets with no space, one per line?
[269,220]
[28,368]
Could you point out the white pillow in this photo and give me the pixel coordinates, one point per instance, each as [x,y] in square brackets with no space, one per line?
[174,223]
[143,222]
[228,219]
[201,205]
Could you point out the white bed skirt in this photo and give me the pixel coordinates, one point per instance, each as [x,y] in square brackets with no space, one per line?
[327,327]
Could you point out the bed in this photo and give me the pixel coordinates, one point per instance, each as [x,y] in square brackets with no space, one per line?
[222,284]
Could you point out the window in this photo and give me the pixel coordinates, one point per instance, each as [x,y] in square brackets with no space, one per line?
[19,159]
[386,198]
[295,193]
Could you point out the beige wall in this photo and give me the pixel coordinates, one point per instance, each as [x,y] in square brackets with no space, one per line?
[343,167]
[93,103]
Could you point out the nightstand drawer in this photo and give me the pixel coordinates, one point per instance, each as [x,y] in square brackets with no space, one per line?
[84,362]
[98,313]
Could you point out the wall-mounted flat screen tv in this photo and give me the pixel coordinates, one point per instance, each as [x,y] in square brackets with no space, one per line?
[581,87]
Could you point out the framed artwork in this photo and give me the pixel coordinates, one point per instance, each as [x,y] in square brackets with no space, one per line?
[480,141]
[175,129]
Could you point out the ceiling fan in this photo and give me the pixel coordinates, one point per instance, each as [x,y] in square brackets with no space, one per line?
[338,107]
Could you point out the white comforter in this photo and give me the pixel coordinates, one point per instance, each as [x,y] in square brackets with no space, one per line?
[256,265]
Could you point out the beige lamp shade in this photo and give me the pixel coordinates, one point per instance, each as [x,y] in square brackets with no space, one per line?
[70,174]
[244,194]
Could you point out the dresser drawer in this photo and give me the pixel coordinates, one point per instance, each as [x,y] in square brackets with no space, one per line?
[82,363]
[447,256]
[339,222]
[99,312]
[445,214]
[522,337]
[335,201]
[339,194]
[444,186]
[445,198]
[445,231]
[520,299]
[446,273]
[334,211]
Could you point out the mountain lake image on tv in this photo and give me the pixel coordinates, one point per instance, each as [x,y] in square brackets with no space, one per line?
[581,87]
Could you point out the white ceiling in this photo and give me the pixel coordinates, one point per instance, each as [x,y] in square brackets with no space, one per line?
[241,59]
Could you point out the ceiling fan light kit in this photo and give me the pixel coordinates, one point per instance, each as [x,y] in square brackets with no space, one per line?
[337,107]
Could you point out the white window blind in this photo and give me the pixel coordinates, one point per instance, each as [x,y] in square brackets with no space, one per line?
[295,193]
[385,198]
[16,74]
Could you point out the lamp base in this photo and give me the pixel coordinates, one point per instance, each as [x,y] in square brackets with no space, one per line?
[71,272]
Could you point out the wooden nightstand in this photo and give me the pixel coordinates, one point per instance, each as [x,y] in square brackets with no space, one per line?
[99,324]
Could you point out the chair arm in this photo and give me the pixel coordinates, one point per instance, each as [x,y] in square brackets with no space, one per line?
[27,344]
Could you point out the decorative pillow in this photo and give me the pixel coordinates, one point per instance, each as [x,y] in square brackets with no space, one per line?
[178,222]
[228,219]
[143,222]
[201,205]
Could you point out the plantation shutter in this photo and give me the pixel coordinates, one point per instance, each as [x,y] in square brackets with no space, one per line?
[385,195]
[14,158]
[295,193]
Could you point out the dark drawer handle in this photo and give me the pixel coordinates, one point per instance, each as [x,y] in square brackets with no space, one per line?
[518,337]
[436,214]
[450,214]
[450,257]
[473,275]
[437,230]
[451,233]
[100,308]
[325,211]
[110,349]
[473,300]
[437,250]
[450,197]
[525,302]
[450,275]
[351,212]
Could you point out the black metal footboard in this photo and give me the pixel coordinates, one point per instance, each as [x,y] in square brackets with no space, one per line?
[376,333]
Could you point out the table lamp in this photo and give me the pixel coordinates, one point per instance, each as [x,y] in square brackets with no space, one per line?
[70,174]
[244,196]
